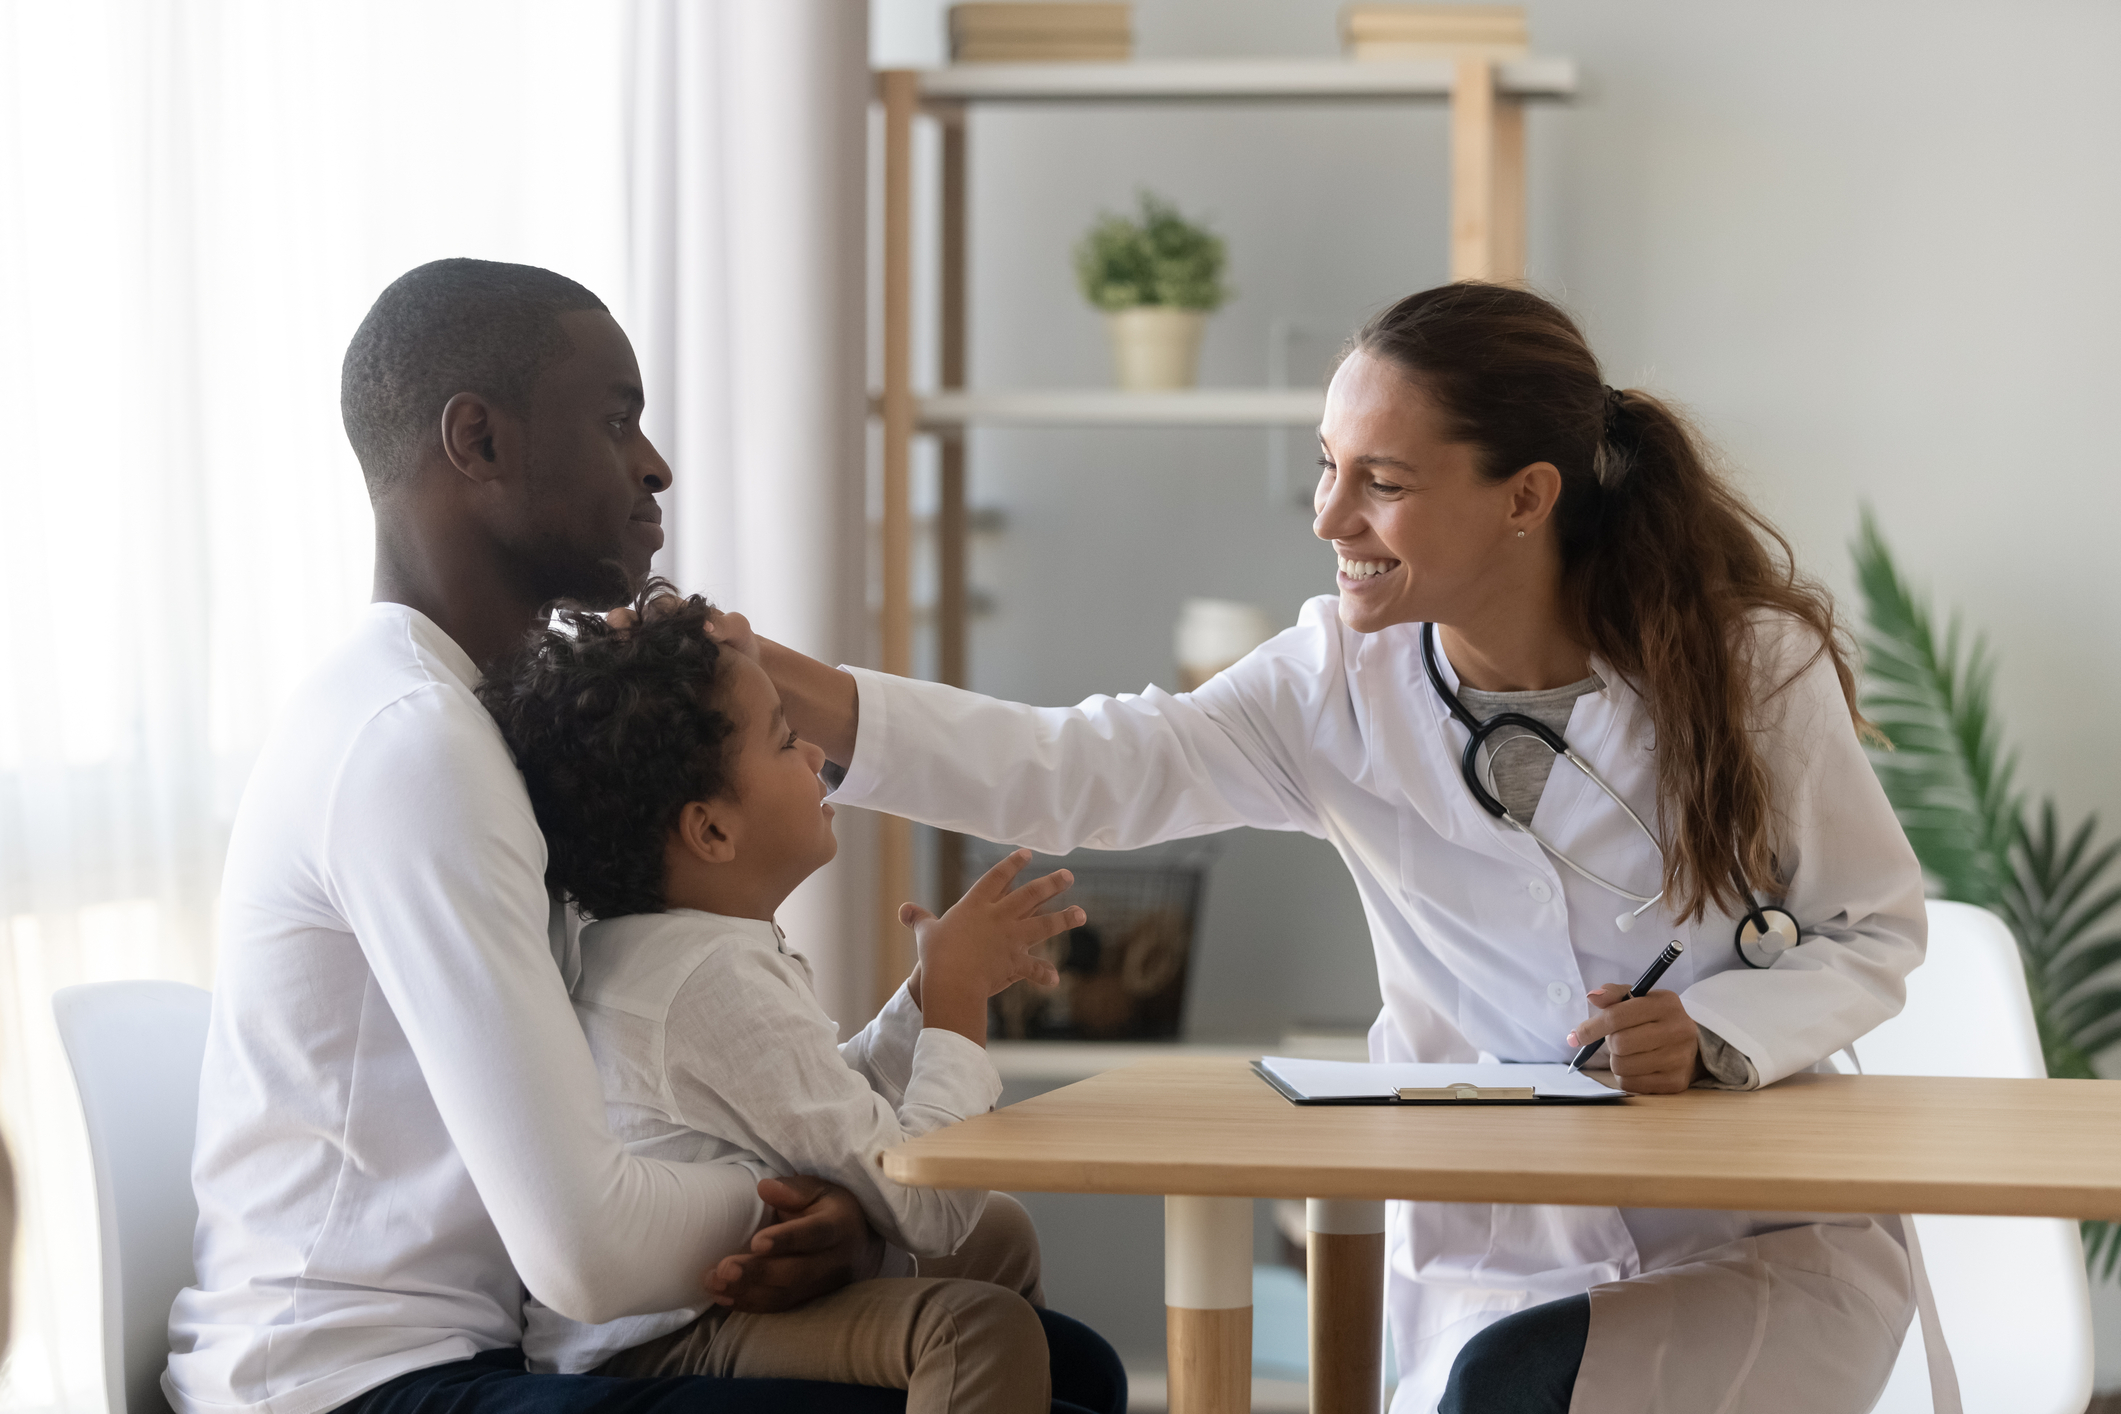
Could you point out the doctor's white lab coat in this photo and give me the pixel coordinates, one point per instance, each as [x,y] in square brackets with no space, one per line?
[1485,947]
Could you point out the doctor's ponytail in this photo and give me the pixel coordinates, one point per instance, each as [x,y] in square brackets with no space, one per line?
[1665,568]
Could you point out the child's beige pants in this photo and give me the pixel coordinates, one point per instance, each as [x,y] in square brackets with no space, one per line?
[959,1338]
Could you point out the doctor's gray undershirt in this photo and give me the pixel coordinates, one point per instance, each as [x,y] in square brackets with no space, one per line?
[1520,778]
[1520,772]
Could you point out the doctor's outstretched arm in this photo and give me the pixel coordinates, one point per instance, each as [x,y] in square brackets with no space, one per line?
[1108,773]
[820,700]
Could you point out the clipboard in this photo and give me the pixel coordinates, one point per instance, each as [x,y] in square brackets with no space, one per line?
[1309,1082]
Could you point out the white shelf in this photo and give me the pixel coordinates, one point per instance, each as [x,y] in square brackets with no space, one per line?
[1226,79]
[1108,407]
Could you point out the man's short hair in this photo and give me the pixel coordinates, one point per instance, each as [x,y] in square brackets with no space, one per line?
[448,327]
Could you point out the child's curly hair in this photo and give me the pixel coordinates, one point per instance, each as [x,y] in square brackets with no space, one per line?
[614,731]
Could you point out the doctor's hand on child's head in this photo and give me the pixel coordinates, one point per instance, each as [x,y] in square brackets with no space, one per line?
[1653,1046]
[733,631]
[658,596]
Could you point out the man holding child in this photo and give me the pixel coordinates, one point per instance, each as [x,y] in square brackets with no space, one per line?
[402,1132]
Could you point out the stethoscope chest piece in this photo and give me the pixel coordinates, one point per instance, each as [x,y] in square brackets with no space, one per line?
[1757,948]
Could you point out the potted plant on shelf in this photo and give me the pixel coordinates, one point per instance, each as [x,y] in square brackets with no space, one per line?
[1157,278]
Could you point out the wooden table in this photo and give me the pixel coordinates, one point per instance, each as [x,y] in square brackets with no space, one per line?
[1211,1136]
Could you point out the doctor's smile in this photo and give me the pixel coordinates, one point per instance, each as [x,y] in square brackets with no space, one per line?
[1354,573]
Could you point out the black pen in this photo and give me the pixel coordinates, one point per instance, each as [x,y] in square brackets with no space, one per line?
[1641,988]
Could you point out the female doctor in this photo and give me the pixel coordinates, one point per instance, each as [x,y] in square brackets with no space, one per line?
[1514,536]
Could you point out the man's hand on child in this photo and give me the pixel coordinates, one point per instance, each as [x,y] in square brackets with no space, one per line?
[820,1243]
[986,942]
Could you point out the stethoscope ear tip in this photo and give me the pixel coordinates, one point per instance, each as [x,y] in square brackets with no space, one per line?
[1625,922]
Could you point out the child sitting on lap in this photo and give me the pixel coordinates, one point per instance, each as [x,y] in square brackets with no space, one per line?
[679,809]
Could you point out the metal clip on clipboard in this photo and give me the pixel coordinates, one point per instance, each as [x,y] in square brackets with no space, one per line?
[1488,1093]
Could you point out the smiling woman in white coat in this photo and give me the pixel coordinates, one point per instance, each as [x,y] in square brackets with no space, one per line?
[1516,536]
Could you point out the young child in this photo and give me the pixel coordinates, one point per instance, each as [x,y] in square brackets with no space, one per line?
[679,810]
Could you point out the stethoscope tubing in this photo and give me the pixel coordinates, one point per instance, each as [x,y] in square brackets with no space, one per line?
[1478,733]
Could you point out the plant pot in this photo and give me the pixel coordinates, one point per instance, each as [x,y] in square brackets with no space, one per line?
[1155,346]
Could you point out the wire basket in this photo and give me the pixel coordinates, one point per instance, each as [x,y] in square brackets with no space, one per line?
[1123,973]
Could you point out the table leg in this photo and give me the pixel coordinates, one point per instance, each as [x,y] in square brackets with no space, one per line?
[1345,1240]
[1208,1301]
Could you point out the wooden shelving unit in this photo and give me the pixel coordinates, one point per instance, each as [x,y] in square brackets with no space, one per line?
[1486,100]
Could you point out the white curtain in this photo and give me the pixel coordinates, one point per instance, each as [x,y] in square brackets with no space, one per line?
[747,181]
[198,201]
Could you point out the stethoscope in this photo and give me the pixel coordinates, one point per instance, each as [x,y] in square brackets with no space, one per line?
[1763,935]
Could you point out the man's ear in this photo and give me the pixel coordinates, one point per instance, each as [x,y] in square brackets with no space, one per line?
[708,830]
[476,437]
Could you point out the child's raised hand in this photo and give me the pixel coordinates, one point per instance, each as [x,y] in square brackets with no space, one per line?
[984,943]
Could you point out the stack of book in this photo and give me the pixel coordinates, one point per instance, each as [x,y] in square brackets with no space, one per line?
[1032,33]
[1432,31]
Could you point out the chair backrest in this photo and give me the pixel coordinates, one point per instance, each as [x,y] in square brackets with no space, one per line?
[136,1049]
[2011,1292]
[1967,1011]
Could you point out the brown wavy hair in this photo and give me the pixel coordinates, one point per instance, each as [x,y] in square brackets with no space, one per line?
[1664,566]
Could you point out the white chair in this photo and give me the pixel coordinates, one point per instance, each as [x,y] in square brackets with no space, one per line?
[2011,1292]
[136,1048]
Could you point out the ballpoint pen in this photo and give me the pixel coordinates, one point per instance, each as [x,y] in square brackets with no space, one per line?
[1641,988]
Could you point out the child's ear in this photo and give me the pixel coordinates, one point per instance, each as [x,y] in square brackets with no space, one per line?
[707,830]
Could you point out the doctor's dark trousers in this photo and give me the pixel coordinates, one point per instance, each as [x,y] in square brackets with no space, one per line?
[1525,1363]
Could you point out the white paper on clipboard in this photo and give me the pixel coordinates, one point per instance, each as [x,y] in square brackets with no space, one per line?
[1356,1082]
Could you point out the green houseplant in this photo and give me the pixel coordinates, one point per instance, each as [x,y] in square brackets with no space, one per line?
[1157,276]
[1952,782]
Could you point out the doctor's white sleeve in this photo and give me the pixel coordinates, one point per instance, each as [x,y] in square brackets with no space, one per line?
[1851,880]
[1107,773]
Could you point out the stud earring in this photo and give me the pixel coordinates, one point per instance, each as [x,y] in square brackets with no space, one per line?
[1520,535]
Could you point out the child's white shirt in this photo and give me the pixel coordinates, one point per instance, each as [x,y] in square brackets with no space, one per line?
[712,1046]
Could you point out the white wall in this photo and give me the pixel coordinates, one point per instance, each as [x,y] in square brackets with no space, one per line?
[1871,246]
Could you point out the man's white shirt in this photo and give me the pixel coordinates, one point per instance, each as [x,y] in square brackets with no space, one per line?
[400,1126]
